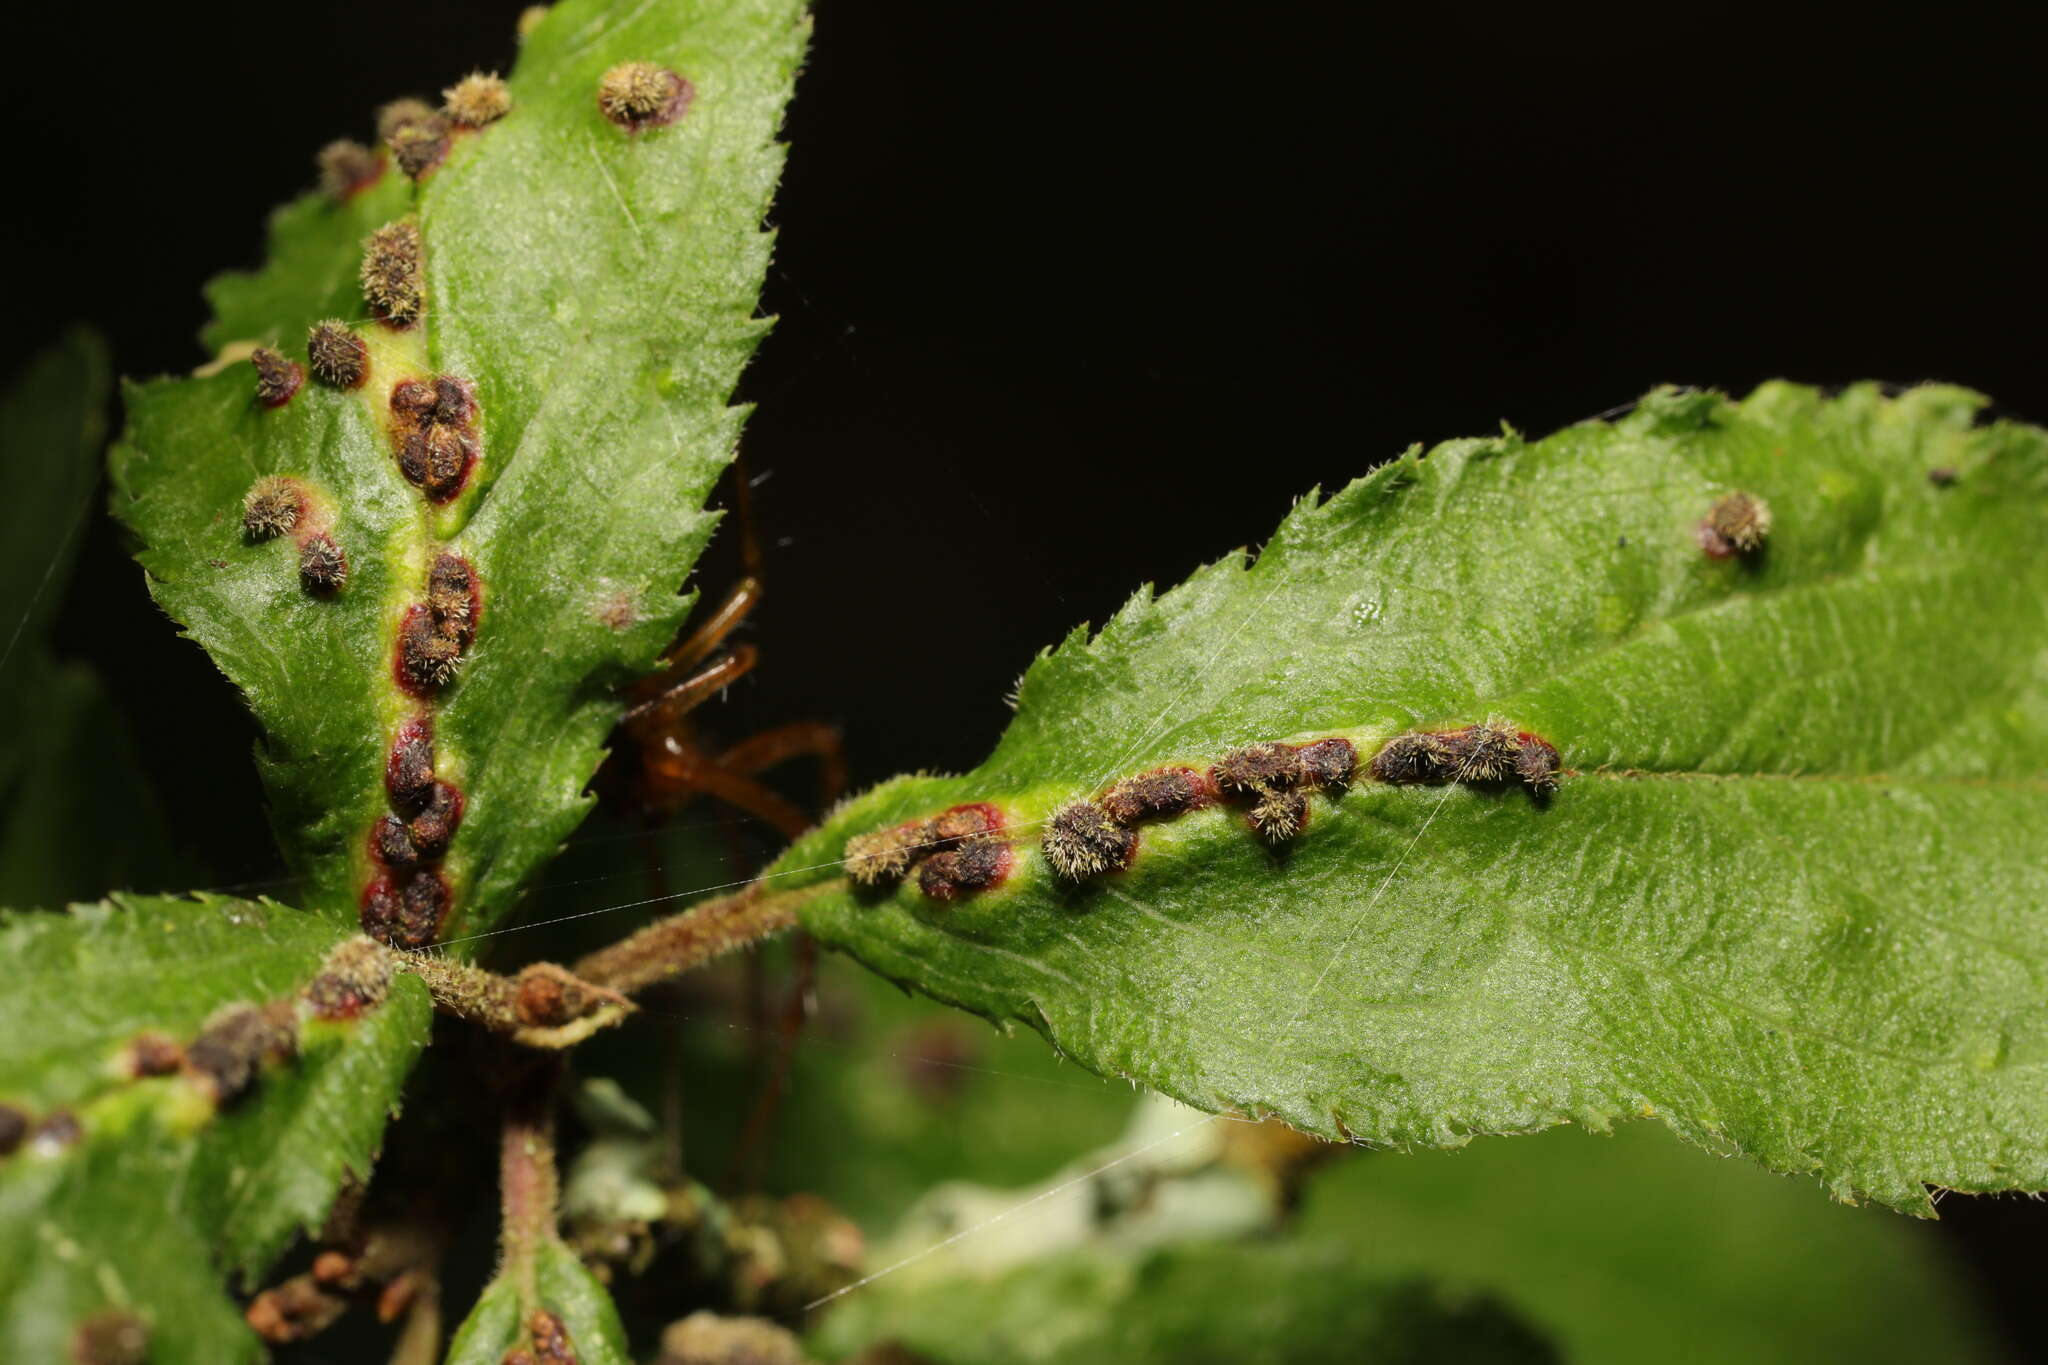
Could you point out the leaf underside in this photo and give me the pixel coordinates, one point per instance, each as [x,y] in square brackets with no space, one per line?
[1787,898]
[596,289]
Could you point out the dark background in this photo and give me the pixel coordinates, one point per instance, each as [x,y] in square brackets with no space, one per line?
[1074,296]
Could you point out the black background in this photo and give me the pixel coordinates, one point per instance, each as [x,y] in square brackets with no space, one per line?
[1079,296]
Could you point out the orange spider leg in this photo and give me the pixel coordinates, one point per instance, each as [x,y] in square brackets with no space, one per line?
[672,701]
[675,770]
[776,1054]
[707,636]
[798,739]
[796,1008]
[735,790]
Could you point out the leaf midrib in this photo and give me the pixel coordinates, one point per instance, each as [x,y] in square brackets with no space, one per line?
[1735,603]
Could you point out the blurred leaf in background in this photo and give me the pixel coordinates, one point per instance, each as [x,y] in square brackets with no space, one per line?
[76,816]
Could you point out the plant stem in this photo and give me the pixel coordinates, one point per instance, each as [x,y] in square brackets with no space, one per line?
[699,935]
[542,1007]
[527,1180]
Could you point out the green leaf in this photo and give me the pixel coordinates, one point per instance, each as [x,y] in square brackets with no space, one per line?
[89,1235]
[52,424]
[1283,1303]
[564,1287]
[1784,899]
[68,774]
[221,1188]
[1604,1244]
[596,289]
[77,819]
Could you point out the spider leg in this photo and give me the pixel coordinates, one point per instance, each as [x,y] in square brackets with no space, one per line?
[686,653]
[677,697]
[676,770]
[776,1052]
[744,792]
[799,739]
[739,600]
[751,1150]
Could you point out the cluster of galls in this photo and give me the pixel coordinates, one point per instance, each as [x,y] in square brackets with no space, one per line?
[417,135]
[240,1040]
[339,357]
[1271,782]
[408,897]
[547,1342]
[960,850]
[276,506]
[1493,751]
[1085,839]
[1274,781]
[433,425]
[231,1050]
[434,633]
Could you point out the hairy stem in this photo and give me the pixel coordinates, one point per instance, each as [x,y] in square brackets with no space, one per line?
[542,1007]
[527,1179]
[699,935]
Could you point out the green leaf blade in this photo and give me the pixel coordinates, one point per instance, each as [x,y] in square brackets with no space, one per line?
[563,1286]
[223,1191]
[316,670]
[595,289]
[1757,909]
[67,768]
[607,335]
[52,424]
[71,1251]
